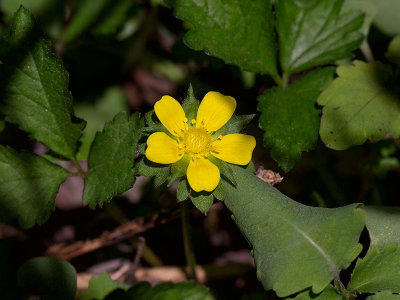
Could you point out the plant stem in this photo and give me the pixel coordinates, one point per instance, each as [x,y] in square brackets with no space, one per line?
[367,52]
[81,172]
[346,294]
[285,80]
[189,253]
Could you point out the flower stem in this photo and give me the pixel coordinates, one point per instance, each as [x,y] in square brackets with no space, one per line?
[81,172]
[367,52]
[189,253]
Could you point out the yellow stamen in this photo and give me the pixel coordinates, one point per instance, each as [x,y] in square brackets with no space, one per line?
[197,141]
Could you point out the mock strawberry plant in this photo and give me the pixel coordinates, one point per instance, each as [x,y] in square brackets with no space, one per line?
[94,95]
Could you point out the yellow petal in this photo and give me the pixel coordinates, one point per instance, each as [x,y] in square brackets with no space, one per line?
[162,149]
[215,110]
[234,148]
[202,175]
[171,115]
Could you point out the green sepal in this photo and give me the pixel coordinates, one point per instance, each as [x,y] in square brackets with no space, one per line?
[190,105]
[142,148]
[234,125]
[250,167]
[202,200]
[219,192]
[179,168]
[150,117]
[183,190]
[161,176]
[149,168]
[224,169]
[153,124]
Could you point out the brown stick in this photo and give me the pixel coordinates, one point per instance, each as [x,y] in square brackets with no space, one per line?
[107,238]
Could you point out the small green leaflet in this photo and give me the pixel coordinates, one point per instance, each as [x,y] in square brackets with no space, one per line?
[378,271]
[112,160]
[393,53]
[34,88]
[283,233]
[362,103]
[239,32]
[52,278]
[103,287]
[100,286]
[315,32]
[290,118]
[28,187]
[167,290]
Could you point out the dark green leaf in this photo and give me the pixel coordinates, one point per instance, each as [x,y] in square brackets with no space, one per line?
[101,286]
[239,32]
[393,53]
[28,187]
[34,88]
[319,242]
[313,33]
[330,293]
[182,192]
[203,200]
[111,160]
[53,278]
[290,117]
[362,103]
[378,271]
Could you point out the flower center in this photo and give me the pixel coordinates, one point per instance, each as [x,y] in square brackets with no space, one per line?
[197,141]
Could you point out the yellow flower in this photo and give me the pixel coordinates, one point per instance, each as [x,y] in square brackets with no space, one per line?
[194,139]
